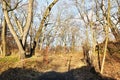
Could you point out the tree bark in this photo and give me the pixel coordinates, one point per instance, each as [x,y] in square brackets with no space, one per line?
[1,49]
[4,37]
[45,57]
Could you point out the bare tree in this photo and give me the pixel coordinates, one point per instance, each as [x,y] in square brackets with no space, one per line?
[42,23]
[20,43]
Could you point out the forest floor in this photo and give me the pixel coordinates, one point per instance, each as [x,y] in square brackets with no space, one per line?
[70,66]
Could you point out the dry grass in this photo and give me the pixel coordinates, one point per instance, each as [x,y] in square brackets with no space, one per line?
[57,62]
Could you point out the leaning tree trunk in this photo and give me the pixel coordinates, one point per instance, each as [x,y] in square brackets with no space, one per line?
[46,14]
[10,26]
[107,24]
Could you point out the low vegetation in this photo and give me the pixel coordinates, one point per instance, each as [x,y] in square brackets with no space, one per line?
[60,65]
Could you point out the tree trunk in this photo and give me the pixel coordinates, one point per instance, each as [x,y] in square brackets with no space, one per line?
[4,38]
[73,43]
[28,23]
[20,43]
[104,54]
[106,32]
[10,26]
[46,14]
[45,57]
[1,49]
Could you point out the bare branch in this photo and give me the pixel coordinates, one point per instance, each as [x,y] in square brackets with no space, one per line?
[46,14]
[12,9]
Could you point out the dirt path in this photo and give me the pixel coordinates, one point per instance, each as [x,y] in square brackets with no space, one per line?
[60,67]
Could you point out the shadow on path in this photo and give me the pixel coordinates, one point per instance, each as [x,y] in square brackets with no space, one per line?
[83,73]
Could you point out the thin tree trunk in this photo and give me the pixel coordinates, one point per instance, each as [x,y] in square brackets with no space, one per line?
[45,57]
[104,54]
[4,37]
[73,43]
[1,49]
[106,40]
[99,60]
